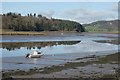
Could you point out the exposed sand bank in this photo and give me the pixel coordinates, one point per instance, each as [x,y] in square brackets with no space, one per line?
[88,67]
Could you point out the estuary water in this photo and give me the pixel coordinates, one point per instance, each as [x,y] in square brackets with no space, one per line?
[57,49]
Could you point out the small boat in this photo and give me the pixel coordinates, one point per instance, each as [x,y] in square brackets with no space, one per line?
[35,54]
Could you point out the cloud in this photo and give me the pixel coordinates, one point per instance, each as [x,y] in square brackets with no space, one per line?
[83,15]
[116,6]
[48,13]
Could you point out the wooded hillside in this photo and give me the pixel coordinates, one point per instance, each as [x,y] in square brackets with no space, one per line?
[102,26]
[33,22]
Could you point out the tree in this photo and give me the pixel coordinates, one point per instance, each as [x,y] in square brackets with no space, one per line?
[17,22]
[34,14]
[30,14]
[39,15]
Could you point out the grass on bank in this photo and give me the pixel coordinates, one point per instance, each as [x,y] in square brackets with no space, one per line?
[11,32]
[21,33]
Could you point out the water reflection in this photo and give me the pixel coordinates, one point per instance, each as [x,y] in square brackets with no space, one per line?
[32,45]
[117,42]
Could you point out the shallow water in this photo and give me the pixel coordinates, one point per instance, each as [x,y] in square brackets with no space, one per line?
[57,37]
[67,48]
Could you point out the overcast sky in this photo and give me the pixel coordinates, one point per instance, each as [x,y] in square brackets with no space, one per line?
[82,12]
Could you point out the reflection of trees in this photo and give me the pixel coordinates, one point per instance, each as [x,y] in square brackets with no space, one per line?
[17,45]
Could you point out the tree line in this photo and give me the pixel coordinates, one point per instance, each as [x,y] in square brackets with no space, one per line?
[33,22]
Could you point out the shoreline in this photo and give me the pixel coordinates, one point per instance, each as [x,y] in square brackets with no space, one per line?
[117,32]
[21,33]
[34,32]
[91,66]
[77,69]
[48,32]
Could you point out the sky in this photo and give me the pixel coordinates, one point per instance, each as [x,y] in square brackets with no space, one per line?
[82,12]
[59,0]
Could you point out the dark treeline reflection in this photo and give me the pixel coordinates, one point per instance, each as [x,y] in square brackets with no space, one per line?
[29,45]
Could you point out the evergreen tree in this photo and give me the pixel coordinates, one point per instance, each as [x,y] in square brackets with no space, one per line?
[40,23]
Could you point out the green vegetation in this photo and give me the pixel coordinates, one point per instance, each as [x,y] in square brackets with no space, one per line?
[16,22]
[110,59]
[109,76]
[102,26]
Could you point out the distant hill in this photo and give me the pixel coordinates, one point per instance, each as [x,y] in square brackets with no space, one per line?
[102,26]
[33,22]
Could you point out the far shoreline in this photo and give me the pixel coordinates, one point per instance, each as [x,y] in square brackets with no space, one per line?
[49,32]
[35,32]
